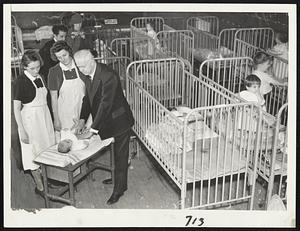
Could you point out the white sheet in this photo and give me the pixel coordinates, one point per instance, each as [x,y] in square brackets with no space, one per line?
[52,157]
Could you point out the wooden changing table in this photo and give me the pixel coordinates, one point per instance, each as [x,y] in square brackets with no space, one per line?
[73,172]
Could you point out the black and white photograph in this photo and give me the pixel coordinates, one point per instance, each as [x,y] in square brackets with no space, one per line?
[159,114]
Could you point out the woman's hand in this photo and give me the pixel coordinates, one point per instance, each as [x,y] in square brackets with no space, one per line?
[24,136]
[57,125]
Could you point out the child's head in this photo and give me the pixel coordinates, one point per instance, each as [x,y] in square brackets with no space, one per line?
[149,26]
[252,83]
[64,146]
[281,38]
[262,61]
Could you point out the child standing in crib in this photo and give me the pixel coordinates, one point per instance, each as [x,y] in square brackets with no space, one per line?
[281,48]
[152,34]
[252,92]
[263,70]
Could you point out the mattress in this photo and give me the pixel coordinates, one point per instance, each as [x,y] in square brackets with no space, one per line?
[202,54]
[210,149]
[52,157]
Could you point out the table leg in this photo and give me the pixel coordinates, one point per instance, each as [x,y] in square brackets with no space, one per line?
[71,188]
[45,179]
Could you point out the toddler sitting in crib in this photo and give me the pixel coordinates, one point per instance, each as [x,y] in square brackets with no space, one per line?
[281,47]
[252,92]
[152,34]
[263,70]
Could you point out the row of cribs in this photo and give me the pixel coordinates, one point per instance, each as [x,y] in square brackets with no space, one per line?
[200,33]
[208,100]
[215,152]
[229,74]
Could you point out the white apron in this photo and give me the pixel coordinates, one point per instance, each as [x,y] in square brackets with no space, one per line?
[70,98]
[38,125]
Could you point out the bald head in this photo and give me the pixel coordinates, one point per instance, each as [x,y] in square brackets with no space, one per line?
[85,61]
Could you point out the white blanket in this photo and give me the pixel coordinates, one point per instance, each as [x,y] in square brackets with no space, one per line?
[52,157]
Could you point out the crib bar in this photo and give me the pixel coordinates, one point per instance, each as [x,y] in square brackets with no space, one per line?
[280,67]
[234,71]
[262,38]
[208,72]
[17,48]
[206,189]
[118,64]
[178,44]
[206,31]
[226,40]
[140,23]
[135,48]
[201,150]
[282,152]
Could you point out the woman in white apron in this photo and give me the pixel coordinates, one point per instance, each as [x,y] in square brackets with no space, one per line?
[32,115]
[66,88]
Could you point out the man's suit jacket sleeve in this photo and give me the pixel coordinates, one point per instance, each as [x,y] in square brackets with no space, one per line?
[109,86]
[85,108]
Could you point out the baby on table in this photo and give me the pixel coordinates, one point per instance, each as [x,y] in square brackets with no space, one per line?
[70,142]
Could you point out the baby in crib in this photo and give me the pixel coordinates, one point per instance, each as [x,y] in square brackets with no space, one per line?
[263,70]
[252,92]
[152,34]
[281,48]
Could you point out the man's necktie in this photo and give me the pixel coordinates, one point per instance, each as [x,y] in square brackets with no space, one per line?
[38,82]
[89,82]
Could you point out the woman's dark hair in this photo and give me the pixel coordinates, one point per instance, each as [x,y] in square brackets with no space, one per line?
[57,47]
[282,37]
[251,80]
[30,56]
[261,57]
[59,27]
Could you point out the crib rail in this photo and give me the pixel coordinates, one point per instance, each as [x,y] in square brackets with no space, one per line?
[140,23]
[220,172]
[280,67]
[153,87]
[136,48]
[206,31]
[209,24]
[17,48]
[178,44]
[226,40]
[118,64]
[108,33]
[230,73]
[151,126]
[262,38]
[279,185]
[162,78]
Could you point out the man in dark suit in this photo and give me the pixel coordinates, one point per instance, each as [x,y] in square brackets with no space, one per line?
[59,34]
[111,114]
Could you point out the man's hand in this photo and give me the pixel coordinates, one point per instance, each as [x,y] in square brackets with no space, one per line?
[78,126]
[85,135]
